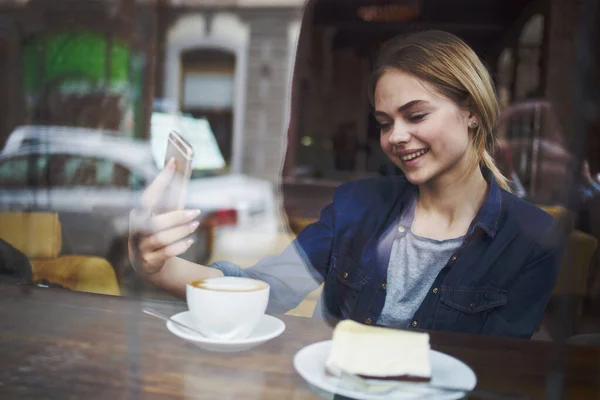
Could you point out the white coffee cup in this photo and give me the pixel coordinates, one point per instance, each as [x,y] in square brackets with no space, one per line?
[227,308]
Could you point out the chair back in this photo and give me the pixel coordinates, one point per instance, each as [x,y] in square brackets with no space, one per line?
[35,234]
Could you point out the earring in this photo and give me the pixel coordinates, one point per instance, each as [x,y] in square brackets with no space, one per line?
[474,124]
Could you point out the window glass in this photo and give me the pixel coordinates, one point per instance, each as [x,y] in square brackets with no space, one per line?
[206,90]
[22,171]
[69,171]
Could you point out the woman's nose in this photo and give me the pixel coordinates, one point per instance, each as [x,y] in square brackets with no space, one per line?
[399,134]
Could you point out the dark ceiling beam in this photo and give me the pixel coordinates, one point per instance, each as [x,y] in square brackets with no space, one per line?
[367,44]
[388,27]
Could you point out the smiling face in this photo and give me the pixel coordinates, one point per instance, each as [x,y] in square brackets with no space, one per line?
[422,132]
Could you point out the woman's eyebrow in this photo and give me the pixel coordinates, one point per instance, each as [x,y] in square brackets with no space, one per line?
[411,104]
[404,107]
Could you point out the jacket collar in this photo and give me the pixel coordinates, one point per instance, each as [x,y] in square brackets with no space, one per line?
[488,216]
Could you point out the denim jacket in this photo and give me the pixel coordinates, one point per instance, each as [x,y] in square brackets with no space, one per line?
[498,282]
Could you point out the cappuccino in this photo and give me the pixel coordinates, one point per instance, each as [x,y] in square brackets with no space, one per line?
[230,285]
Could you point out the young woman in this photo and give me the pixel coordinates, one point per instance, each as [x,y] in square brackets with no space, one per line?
[445,246]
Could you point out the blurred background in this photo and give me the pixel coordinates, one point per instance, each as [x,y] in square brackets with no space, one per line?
[272,95]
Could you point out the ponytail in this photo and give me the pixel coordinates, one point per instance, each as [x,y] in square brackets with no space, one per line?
[489,163]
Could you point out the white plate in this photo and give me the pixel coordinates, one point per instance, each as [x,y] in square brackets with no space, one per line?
[268,328]
[446,372]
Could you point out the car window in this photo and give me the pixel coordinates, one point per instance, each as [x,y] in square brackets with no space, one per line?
[136,181]
[76,171]
[126,178]
[104,172]
[23,171]
[80,171]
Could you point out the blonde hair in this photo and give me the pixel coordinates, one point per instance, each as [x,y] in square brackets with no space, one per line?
[448,64]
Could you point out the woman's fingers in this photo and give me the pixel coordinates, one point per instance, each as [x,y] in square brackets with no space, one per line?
[154,239]
[142,221]
[172,219]
[167,237]
[155,260]
[154,192]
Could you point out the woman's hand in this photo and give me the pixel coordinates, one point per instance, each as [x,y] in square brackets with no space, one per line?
[154,239]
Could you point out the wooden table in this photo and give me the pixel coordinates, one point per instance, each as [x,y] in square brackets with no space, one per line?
[58,344]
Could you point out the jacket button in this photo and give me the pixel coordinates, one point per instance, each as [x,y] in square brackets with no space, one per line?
[435,290]
[473,306]
[415,324]
[345,275]
[384,286]
[453,258]
[368,321]
[401,229]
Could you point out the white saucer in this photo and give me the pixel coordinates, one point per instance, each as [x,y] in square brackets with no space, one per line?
[268,328]
[446,372]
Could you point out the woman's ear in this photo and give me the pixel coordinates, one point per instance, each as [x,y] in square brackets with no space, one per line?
[472,118]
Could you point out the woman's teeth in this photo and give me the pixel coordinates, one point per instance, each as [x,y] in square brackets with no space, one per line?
[414,155]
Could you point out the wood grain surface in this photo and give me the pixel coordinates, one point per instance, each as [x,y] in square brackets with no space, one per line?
[58,344]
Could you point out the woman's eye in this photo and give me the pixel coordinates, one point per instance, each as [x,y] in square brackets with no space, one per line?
[384,126]
[417,117]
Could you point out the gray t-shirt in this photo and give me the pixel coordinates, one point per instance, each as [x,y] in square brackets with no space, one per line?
[414,264]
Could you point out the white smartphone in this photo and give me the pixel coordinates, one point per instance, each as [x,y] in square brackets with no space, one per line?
[183,153]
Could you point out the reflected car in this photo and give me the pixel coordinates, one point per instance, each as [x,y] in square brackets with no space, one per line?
[94,178]
[535,150]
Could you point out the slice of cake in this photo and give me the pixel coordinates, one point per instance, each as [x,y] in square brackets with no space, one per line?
[379,353]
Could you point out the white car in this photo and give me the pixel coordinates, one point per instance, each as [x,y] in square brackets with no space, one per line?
[93,178]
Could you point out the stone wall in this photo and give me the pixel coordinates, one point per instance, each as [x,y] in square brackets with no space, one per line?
[270,56]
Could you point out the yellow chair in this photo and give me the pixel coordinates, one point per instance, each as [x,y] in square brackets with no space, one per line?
[577,260]
[38,236]
[297,225]
[307,307]
[575,268]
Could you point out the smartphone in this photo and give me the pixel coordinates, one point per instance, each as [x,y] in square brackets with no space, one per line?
[175,194]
